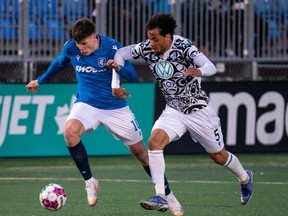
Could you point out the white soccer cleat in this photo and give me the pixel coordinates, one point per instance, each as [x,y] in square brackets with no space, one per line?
[174,205]
[91,189]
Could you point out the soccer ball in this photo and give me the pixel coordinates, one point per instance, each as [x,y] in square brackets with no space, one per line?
[53,197]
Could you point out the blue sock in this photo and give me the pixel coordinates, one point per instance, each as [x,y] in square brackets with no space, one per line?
[167,188]
[80,157]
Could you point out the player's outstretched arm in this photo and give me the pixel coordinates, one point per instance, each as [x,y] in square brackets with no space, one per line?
[32,86]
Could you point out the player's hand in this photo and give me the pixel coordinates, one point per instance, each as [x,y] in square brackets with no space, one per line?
[113,64]
[120,93]
[195,72]
[32,86]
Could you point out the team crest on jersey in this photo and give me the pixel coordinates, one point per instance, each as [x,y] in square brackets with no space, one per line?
[101,61]
[154,57]
[173,55]
[164,69]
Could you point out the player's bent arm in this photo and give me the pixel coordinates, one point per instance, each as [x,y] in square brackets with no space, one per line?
[116,81]
[123,54]
[117,91]
[206,67]
[128,72]
[126,69]
[120,56]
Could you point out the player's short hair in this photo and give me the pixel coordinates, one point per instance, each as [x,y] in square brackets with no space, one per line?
[165,22]
[82,29]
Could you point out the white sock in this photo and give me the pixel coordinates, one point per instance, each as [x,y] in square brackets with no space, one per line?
[234,165]
[157,168]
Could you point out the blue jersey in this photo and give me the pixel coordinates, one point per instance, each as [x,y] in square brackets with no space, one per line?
[94,78]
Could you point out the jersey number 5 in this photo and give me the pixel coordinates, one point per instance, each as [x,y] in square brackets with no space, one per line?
[216,133]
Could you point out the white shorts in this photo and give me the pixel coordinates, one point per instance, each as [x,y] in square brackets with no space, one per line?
[121,123]
[203,125]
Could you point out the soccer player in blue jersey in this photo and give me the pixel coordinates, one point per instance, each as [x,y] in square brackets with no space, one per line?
[95,105]
[178,65]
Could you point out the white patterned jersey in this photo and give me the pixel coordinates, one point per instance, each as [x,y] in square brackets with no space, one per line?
[182,93]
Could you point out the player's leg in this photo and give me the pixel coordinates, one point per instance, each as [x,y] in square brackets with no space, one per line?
[141,154]
[139,151]
[166,129]
[123,125]
[75,126]
[73,129]
[157,141]
[200,125]
[245,177]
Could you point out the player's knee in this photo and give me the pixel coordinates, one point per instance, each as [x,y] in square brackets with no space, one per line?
[153,144]
[158,139]
[70,137]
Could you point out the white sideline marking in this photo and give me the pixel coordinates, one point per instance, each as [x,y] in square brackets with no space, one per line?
[131,180]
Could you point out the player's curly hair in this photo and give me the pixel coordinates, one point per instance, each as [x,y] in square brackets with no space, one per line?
[165,22]
[82,29]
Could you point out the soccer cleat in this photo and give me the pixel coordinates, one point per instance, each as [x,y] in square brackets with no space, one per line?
[91,189]
[174,205]
[156,203]
[246,189]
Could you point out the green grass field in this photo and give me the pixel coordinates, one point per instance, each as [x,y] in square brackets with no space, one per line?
[202,187]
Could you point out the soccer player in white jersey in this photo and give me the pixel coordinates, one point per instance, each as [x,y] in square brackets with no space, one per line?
[178,66]
[95,105]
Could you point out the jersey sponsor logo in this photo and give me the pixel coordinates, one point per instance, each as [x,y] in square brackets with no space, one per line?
[78,57]
[102,61]
[88,69]
[164,69]
[114,47]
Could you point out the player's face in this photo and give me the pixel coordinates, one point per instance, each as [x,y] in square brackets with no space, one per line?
[159,43]
[89,45]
